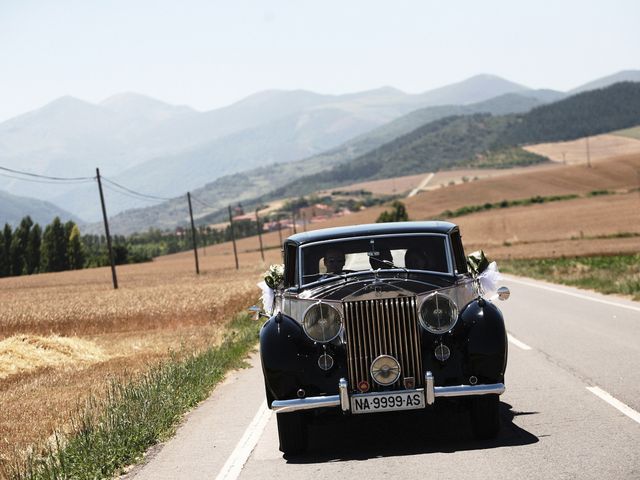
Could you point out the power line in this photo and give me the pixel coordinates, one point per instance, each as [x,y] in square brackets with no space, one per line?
[46,176]
[37,180]
[152,197]
[203,203]
[127,194]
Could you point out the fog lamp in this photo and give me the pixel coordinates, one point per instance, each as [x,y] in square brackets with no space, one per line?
[325,362]
[442,352]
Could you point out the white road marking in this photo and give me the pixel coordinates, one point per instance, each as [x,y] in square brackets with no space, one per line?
[577,295]
[423,184]
[240,455]
[517,342]
[614,402]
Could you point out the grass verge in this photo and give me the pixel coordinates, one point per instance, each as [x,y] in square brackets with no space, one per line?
[618,274]
[113,432]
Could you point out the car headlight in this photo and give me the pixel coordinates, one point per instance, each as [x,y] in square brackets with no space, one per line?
[438,313]
[322,322]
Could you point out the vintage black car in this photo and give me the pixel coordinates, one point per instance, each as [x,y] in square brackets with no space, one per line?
[378,318]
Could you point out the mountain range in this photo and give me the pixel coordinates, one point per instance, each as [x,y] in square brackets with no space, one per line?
[165,150]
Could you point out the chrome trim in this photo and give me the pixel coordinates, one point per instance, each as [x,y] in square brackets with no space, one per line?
[285,406]
[386,326]
[432,392]
[464,390]
[343,386]
[428,388]
[342,399]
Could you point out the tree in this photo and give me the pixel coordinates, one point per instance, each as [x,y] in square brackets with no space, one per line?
[54,248]
[5,251]
[398,214]
[19,246]
[75,250]
[32,254]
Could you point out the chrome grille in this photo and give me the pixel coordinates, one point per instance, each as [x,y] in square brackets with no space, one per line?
[382,327]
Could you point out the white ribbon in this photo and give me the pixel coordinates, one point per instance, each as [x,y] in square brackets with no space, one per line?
[489,279]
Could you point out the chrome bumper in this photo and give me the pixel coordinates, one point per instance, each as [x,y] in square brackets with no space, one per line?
[342,399]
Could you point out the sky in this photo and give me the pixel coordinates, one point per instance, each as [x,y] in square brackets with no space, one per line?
[208,54]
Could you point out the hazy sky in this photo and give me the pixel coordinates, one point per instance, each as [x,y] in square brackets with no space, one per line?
[207,54]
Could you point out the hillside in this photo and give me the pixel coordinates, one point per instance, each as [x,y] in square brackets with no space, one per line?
[13,208]
[546,229]
[130,135]
[250,184]
[469,140]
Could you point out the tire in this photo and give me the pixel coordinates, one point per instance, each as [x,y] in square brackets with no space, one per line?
[485,417]
[292,432]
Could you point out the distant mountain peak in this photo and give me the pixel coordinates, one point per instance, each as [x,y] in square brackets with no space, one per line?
[131,101]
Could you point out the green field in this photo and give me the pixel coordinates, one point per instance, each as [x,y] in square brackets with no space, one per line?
[633,132]
[617,274]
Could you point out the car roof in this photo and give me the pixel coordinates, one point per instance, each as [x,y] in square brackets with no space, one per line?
[371,229]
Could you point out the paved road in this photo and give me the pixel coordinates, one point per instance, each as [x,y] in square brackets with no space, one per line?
[573,357]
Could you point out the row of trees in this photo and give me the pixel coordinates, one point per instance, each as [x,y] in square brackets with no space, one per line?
[28,249]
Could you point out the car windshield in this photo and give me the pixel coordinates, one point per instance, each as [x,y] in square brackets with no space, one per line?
[323,260]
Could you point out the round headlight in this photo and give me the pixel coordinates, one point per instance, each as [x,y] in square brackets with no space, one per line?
[322,322]
[438,313]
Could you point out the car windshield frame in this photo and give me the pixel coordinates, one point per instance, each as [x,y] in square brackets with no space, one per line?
[327,243]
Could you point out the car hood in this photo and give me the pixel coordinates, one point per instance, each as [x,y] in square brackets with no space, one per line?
[377,286]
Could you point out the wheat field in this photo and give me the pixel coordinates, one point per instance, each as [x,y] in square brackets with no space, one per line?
[65,335]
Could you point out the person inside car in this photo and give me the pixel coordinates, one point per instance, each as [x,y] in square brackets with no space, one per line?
[334,260]
[416,259]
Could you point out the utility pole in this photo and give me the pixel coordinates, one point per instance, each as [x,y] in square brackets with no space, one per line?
[193,234]
[279,230]
[259,234]
[293,221]
[588,154]
[106,230]
[304,221]
[233,238]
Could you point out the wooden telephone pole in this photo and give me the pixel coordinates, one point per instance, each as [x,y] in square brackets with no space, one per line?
[193,234]
[106,231]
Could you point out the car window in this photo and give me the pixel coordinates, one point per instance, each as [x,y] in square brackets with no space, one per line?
[415,252]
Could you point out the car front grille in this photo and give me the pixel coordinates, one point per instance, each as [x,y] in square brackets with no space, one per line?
[382,327]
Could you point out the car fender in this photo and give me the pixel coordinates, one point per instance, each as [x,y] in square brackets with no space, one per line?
[486,340]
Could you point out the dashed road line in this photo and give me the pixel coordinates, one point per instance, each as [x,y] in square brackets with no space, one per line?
[577,295]
[614,402]
[517,342]
[233,466]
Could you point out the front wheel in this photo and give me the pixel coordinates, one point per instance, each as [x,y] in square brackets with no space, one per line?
[485,416]
[292,432]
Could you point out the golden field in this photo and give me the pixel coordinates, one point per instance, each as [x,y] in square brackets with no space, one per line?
[550,229]
[63,335]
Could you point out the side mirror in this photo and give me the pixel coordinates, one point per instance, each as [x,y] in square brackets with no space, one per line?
[504,293]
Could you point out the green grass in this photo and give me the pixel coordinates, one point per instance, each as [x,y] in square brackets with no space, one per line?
[466,210]
[633,132]
[619,274]
[111,433]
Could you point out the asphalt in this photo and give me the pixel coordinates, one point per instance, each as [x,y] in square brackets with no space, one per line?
[553,426]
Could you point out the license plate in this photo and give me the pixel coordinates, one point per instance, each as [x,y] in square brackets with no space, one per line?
[387,401]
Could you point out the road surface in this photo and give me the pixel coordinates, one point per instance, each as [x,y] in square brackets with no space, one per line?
[570,411]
